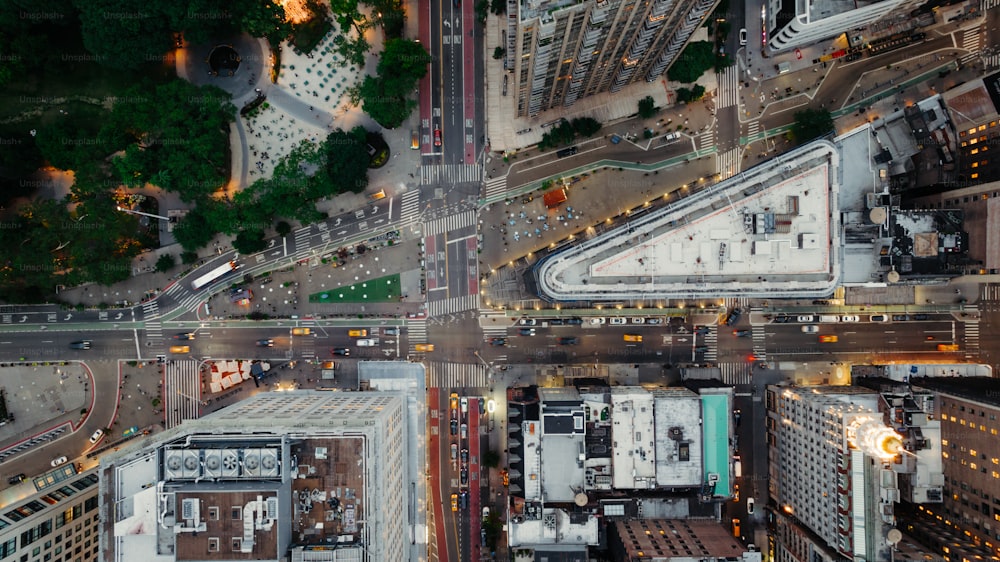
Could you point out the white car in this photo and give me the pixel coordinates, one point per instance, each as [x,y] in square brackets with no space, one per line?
[810,329]
[529,322]
[96,436]
[849,319]
[654,321]
[808,318]
[60,461]
[638,320]
[618,321]
[743,36]
[749,506]
[599,320]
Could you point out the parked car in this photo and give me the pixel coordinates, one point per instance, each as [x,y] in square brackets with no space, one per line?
[59,461]
[526,331]
[465,455]
[569,341]
[17,479]
[130,431]
[265,343]
[812,329]
[555,322]
[806,318]
[184,336]
[465,476]
[850,318]
[83,344]
[921,317]
[900,317]
[574,321]
[879,318]
[454,451]
[498,341]
[96,436]
[528,322]
[342,351]
[782,319]
[619,321]
[749,506]
[638,320]
[464,431]
[654,321]
[598,320]
[733,317]
[454,426]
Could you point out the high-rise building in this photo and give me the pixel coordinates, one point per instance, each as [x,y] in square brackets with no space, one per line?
[829,453]
[562,50]
[793,24]
[305,475]
[55,521]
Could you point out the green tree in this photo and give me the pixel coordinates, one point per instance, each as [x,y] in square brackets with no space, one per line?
[498,53]
[124,33]
[187,258]
[347,160]
[647,107]
[194,231]
[693,61]
[165,263]
[263,18]
[283,228]
[387,97]
[249,242]
[586,126]
[71,141]
[498,7]
[811,124]
[491,459]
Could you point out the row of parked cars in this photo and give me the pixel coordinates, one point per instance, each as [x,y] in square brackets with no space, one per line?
[614,321]
[833,318]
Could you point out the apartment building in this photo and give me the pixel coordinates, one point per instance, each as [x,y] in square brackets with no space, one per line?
[792,23]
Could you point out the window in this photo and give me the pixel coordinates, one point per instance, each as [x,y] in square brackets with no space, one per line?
[213,544]
[236,544]
[213,514]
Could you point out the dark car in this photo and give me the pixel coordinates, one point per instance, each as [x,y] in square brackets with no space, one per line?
[463,499]
[341,351]
[556,322]
[782,319]
[391,331]
[465,455]
[454,426]
[733,317]
[526,331]
[701,331]
[567,152]
[569,341]
[465,476]
[184,336]
[921,317]
[265,343]
[574,321]
[701,349]
[83,344]
[741,333]
[498,341]
[16,479]
[900,317]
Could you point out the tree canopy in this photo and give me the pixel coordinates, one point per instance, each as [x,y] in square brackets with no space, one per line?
[647,107]
[811,124]
[693,61]
[386,97]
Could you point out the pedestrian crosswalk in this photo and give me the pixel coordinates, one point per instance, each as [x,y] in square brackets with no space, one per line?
[457,375]
[495,188]
[970,41]
[727,164]
[969,58]
[450,173]
[181,391]
[711,342]
[706,139]
[729,87]
[759,341]
[737,302]
[302,238]
[736,373]
[971,337]
[409,208]
[990,4]
[453,304]
[493,325]
[753,128]
[989,292]
[991,61]
[450,223]
[416,330]
[151,315]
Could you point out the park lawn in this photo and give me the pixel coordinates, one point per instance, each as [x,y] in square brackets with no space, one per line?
[382,289]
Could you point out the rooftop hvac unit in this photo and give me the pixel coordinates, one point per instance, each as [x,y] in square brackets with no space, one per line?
[189,508]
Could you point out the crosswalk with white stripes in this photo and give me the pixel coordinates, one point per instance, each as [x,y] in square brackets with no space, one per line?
[729,88]
[457,375]
[450,223]
[989,293]
[151,315]
[182,391]
[737,302]
[759,341]
[493,325]
[727,164]
[753,128]
[451,305]
[495,187]
[302,237]
[409,208]
[416,330]
[711,341]
[736,373]
[990,4]
[971,338]
[450,173]
[992,61]
[706,139]
[970,40]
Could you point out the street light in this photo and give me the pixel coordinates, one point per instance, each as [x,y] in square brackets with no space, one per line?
[131,212]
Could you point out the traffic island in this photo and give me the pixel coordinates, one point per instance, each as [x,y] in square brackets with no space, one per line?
[379,290]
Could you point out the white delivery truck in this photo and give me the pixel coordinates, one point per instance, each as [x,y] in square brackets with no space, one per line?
[738,469]
[371,342]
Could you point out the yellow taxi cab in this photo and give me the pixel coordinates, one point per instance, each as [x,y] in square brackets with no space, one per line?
[736,527]
[301,331]
[380,194]
[358,333]
[180,349]
[947,347]
[454,502]
[505,476]
[633,337]
[828,339]
[454,401]
[425,347]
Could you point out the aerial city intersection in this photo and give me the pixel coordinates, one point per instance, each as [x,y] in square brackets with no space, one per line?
[457,281]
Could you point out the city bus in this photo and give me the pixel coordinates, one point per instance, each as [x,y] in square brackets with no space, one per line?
[214,275]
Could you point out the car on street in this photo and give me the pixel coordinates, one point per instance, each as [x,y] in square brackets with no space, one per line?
[654,321]
[828,339]
[736,527]
[879,318]
[900,317]
[454,451]
[301,331]
[359,333]
[463,499]
[422,347]
[736,492]
[464,402]
[743,36]
[265,343]
[782,319]
[453,400]
[526,331]
[465,476]
[741,333]
[733,317]
[632,338]
[528,322]
[569,341]
[96,436]
[59,461]
[454,426]
[812,329]
[342,351]
[391,331]
[701,349]
[574,321]
[555,321]
[567,152]
[464,431]
[367,342]
[184,336]
[180,349]
[749,506]
[638,320]
[465,455]
[437,137]
[806,318]
[619,321]
[701,331]
[920,317]
[16,479]
[498,341]
[454,502]
[850,318]
[598,320]
[83,344]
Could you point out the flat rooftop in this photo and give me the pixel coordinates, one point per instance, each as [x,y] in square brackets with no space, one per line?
[770,231]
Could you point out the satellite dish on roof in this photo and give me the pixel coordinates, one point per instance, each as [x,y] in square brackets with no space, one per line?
[893,277]
[894,536]
[878,215]
[580,499]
